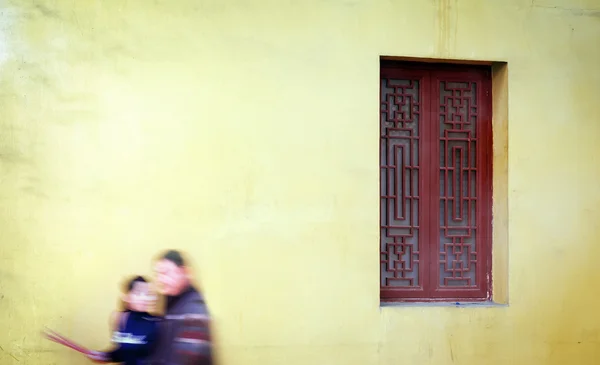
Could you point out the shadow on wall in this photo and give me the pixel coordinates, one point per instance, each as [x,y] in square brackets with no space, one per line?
[554,319]
[565,313]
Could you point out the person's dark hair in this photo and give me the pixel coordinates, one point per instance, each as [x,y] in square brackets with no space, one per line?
[132,282]
[174,256]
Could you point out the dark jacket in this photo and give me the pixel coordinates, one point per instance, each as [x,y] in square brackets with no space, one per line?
[134,338]
[183,340]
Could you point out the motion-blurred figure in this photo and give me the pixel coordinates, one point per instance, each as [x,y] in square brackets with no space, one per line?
[134,329]
[184,333]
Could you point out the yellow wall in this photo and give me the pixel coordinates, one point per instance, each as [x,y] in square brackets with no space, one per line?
[245,132]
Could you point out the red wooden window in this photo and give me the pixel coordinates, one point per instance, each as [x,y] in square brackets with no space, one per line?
[436,182]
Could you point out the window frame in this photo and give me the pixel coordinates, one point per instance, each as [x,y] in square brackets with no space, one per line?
[430,75]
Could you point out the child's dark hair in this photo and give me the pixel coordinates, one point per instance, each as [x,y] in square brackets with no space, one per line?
[132,282]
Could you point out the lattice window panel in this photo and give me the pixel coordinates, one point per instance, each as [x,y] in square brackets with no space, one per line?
[435,154]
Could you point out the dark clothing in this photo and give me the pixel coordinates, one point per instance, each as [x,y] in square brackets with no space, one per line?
[135,337]
[181,340]
[171,302]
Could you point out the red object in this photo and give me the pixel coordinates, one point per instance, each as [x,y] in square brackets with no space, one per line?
[436,182]
[55,337]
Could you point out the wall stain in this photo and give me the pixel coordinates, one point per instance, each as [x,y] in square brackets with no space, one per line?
[33,191]
[100,42]
[11,155]
[576,11]
[9,354]
[447,29]
[30,351]
[45,11]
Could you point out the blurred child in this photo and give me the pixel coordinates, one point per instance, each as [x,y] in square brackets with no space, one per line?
[135,330]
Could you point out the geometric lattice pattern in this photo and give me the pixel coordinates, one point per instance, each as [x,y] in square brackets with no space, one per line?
[435,184]
[458,182]
[399,155]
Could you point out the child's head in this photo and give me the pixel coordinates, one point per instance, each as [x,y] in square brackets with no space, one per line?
[138,295]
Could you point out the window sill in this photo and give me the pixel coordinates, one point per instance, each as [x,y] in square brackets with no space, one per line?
[488,304]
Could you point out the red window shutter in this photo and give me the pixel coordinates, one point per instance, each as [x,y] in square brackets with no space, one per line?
[436,183]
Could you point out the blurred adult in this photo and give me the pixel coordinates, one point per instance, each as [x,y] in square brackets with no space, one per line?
[184,332]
